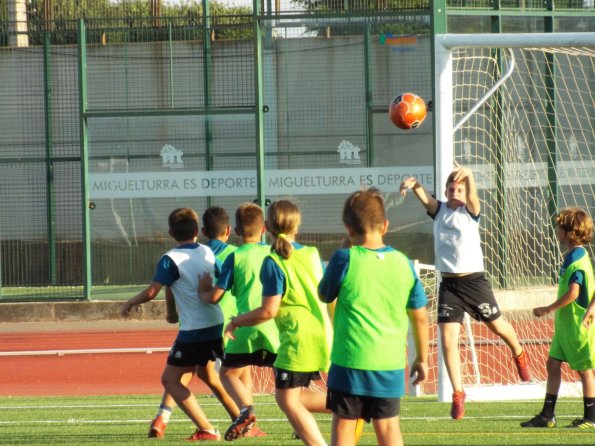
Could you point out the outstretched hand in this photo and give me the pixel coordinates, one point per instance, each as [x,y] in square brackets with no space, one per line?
[461,173]
[541,311]
[409,183]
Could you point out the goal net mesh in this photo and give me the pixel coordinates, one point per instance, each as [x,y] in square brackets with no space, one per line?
[531,148]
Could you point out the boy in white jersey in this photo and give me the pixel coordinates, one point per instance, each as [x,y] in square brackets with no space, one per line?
[216,229]
[199,340]
[376,291]
[464,287]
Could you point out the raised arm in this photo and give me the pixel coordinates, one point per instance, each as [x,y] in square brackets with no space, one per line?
[463,174]
[428,202]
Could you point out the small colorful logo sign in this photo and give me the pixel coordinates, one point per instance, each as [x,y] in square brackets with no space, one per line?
[399,44]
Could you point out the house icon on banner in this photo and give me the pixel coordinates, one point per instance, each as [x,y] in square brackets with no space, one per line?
[349,153]
[171,157]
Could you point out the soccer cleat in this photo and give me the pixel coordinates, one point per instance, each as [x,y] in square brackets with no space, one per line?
[242,424]
[522,366]
[540,421]
[581,423]
[255,432]
[200,435]
[457,410]
[157,429]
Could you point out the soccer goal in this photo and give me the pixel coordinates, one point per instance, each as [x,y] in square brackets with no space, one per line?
[518,110]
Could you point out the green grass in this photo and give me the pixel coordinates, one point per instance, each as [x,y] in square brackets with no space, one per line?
[124,420]
[57,293]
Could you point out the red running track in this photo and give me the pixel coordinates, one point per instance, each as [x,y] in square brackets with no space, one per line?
[84,374]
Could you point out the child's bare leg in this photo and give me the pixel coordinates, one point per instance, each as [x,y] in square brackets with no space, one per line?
[505,331]
[314,401]
[210,377]
[172,381]
[167,399]
[246,379]
[388,431]
[343,431]
[449,335]
[298,415]
[231,378]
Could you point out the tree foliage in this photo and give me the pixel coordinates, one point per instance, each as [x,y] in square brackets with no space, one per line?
[131,20]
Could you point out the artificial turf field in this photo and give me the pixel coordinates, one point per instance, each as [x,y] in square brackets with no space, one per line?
[124,420]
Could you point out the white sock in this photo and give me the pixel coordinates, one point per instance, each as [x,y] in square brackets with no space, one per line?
[165,413]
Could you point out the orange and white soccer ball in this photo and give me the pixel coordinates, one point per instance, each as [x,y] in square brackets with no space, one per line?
[407,111]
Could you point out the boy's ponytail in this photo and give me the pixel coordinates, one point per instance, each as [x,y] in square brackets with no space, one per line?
[283,220]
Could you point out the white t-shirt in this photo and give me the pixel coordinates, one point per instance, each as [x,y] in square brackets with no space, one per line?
[457,245]
[193,313]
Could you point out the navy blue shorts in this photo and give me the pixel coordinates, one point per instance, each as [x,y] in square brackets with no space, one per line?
[467,294]
[369,408]
[260,358]
[189,354]
[286,379]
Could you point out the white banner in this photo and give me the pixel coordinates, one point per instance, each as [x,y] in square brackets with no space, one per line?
[176,183]
[523,175]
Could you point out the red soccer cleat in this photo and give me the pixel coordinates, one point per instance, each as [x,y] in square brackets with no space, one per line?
[457,410]
[157,429]
[522,366]
[255,432]
[199,435]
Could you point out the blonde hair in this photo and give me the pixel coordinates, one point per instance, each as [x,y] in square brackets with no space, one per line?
[283,218]
[577,225]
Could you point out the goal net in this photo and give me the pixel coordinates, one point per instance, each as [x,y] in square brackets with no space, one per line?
[518,110]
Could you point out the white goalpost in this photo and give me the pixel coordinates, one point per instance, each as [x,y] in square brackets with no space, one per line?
[518,110]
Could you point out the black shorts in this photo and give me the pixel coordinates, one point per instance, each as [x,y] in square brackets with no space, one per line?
[189,354]
[261,358]
[286,379]
[369,408]
[468,294]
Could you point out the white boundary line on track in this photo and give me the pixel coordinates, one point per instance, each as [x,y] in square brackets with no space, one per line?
[89,351]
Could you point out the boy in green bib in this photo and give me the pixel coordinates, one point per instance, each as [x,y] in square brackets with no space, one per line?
[573,342]
[377,292]
[252,346]
[289,277]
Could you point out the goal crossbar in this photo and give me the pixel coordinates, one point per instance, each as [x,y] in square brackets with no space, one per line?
[514,40]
